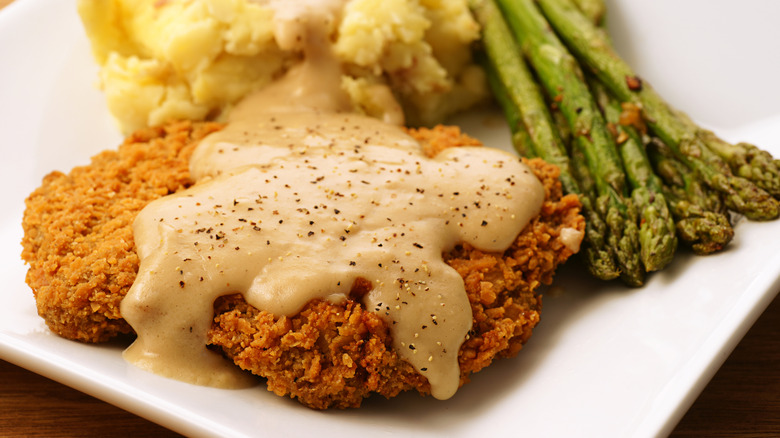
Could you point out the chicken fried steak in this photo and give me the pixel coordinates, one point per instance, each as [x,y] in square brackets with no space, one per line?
[78,242]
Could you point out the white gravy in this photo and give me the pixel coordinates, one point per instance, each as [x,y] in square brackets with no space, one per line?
[296,199]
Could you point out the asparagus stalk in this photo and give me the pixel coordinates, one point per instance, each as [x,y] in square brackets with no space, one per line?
[597,253]
[657,236]
[595,10]
[561,76]
[579,166]
[700,217]
[747,161]
[676,175]
[595,227]
[521,139]
[704,231]
[564,131]
[744,159]
[590,45]
[521,89]
[520,95]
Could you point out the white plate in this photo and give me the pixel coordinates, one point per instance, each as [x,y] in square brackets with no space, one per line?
[606,361]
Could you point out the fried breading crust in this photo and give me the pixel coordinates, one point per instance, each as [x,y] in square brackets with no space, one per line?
[78,236]
[79,245]
[335,355]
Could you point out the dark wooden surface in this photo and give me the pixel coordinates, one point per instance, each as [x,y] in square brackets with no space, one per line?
[743,399]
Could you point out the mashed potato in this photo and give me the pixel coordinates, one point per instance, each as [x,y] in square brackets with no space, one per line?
[194,59]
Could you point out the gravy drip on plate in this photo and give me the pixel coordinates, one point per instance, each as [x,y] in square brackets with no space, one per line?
[296,199]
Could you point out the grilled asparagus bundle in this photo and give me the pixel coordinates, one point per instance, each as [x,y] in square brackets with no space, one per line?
[646,174]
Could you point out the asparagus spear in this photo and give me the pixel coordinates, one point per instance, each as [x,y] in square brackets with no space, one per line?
[521,139]
[520,93]
[564,131]
[595,10]
[704,231]
[597,256]
[589,44]
[599,259]
[656,227]
[521,89]
[700,217]
[580,169]
[682,184]
[597,253]
[561,76]
[744,159]
[676,175]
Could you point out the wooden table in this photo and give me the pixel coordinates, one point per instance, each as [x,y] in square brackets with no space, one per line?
[743,399]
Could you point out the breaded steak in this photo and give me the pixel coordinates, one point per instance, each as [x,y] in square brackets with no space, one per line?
[78,242]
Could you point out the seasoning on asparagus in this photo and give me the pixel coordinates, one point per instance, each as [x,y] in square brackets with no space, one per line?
[591,47]
[657,236]
[561,76]
[522,101]
[701,219]
[744,159]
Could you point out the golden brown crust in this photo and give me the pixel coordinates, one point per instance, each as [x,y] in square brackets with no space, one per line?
[328,355]
[78,238]
[78,242]
[335,355]
[440,137]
